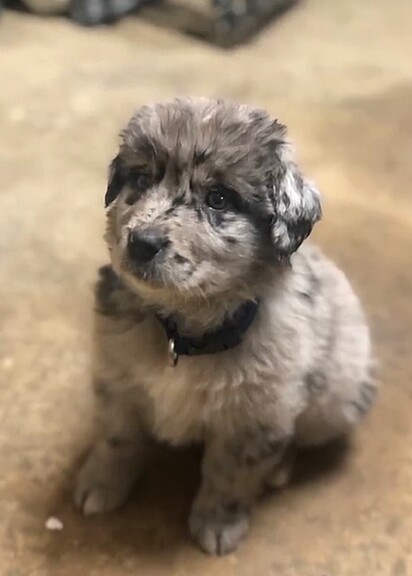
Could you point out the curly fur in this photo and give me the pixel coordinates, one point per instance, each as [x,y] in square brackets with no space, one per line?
[302,374]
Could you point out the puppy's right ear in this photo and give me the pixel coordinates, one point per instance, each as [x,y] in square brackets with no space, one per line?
[115,182]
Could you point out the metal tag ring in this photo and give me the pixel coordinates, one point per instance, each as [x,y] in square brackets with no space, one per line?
[173,357]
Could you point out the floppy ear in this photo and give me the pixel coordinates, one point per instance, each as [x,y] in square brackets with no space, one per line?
[296,208]
[115,182]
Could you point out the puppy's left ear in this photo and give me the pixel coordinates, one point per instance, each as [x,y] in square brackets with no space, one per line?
[115,182]
[296,207]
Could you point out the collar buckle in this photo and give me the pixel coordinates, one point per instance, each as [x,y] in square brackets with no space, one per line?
[173,356]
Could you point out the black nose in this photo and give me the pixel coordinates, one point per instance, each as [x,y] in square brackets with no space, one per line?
[143,246]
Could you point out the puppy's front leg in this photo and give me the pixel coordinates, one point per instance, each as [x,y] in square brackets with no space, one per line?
[113,465]
[234,472]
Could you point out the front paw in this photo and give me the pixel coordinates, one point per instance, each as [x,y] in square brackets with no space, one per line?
[104,482]
[219,530]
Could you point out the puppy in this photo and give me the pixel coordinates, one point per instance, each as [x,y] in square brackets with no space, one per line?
[210,326]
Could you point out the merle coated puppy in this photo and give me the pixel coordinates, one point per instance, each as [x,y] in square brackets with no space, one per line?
[211,326]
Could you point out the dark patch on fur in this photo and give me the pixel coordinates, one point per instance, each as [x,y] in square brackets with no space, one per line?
[254,446]
[200,156]
[316,383]
[234,508]
[217,218]
[312,285]
[132,197]
[368,393]
[178,201]
[286,200]
[168,212]
[361,409]
[221,219]
[116,181]
[180,259]
[113,298]
[367,396]
[106,286]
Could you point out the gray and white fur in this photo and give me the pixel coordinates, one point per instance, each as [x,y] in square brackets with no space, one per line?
[206,208]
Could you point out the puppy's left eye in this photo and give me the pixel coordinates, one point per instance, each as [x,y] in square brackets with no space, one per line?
[218,198]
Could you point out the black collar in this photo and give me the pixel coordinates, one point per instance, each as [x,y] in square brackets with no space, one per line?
[227,336]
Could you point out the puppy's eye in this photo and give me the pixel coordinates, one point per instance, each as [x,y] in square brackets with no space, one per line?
[218,198]
[138,182]
[141,182]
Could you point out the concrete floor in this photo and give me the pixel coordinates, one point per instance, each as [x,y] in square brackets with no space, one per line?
[339,73]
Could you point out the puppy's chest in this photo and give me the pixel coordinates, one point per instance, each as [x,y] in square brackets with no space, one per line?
[181,408]
[181,403]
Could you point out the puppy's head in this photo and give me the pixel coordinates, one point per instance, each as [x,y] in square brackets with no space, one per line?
[203,195]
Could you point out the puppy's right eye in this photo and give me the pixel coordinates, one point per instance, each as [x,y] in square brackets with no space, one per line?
[138,182]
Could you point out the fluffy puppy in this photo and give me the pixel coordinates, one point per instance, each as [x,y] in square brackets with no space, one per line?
[210,326]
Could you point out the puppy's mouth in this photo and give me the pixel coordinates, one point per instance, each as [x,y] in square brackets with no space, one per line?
[166,271]
[149,273]
[145,253]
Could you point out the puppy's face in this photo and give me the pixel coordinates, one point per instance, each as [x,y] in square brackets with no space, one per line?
[202,195]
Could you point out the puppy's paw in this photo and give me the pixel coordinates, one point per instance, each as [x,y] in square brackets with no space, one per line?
[104,483]
[94,499]
[219,532]
[280,475]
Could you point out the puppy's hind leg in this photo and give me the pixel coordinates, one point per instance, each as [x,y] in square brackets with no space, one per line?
[333,416]
[115,461]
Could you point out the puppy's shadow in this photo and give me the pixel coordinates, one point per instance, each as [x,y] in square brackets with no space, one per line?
[153,523]
[312,464]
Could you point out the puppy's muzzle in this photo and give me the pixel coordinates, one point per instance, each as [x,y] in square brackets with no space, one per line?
[143,246]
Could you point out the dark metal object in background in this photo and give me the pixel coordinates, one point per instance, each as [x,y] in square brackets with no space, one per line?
[223,22]
[236,21]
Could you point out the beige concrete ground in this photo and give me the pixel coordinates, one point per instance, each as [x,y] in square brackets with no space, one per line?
[339,73]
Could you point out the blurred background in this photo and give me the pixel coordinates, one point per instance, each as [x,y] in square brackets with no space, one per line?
[339,74]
